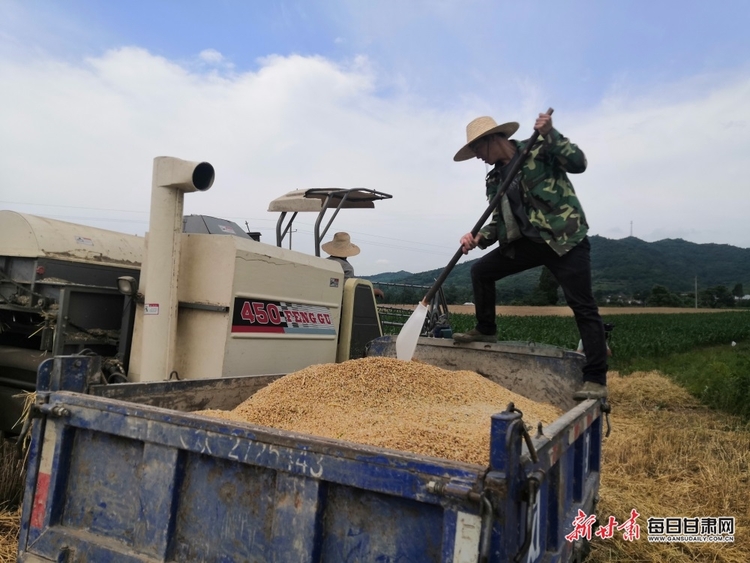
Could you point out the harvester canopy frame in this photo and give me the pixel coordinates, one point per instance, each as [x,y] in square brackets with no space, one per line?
[320,200]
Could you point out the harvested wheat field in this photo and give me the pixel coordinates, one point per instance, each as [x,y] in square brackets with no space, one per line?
[669,456]
[9,528]
[389,403]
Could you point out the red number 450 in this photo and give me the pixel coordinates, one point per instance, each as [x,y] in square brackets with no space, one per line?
[257,312]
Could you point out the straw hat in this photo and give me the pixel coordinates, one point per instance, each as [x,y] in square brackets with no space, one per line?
[481,127]
[341,246]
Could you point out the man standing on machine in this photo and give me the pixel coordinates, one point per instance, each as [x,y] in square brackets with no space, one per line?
[539,222]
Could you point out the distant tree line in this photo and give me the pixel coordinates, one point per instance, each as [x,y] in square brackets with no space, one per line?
[718,297]
[547,292]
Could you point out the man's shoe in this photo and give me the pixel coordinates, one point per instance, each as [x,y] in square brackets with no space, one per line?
[591,390]
[473,336]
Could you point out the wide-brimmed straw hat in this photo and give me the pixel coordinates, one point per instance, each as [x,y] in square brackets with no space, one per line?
[341,246]
[481,127]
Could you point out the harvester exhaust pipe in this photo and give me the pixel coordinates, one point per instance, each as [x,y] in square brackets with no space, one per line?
[172,177]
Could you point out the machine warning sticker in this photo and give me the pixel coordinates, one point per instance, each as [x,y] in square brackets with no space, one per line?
[84,240]
[257,315]
[227,229]
[334,282]
[151,309]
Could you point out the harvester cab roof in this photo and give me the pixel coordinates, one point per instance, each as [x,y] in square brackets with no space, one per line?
[320,200]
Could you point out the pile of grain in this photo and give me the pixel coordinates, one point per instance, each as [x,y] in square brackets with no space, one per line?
[389,403]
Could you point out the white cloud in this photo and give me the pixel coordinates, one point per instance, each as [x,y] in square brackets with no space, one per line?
[83,135]
[672,162]
[211,56]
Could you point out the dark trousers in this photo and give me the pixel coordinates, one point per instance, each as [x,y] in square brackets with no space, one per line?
[572,271]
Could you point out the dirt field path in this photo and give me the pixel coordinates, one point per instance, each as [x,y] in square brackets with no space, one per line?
[567,312]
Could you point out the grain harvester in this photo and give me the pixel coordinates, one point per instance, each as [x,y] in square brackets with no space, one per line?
[181,303]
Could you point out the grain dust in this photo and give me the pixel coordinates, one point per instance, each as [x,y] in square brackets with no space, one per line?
[389,403]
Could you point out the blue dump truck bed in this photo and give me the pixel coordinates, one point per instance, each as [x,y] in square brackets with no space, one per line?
[132,476]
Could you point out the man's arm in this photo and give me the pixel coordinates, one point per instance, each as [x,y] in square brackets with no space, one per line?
[568,155]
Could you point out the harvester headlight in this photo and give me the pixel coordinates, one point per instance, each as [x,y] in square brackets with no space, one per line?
[127,285]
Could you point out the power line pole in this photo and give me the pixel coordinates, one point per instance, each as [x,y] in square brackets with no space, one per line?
[631,228]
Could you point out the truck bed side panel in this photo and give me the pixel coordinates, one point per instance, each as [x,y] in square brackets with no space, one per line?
[141,483]
[113,480]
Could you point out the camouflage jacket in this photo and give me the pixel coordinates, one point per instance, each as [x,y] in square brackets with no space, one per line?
[547,196]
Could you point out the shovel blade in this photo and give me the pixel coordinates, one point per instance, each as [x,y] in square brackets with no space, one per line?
[406,341]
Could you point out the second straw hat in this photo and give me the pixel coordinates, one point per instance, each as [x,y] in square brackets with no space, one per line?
[341,246]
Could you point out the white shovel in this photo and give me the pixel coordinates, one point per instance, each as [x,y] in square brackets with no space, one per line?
[406,341]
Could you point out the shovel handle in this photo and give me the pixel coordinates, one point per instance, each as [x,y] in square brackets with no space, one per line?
[483,219]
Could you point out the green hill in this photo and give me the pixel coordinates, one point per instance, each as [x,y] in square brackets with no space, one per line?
[629,267]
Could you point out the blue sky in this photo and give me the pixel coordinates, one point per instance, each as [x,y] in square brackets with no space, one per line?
[282,95]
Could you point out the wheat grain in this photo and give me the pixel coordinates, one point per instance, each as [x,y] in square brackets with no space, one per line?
[389,403]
